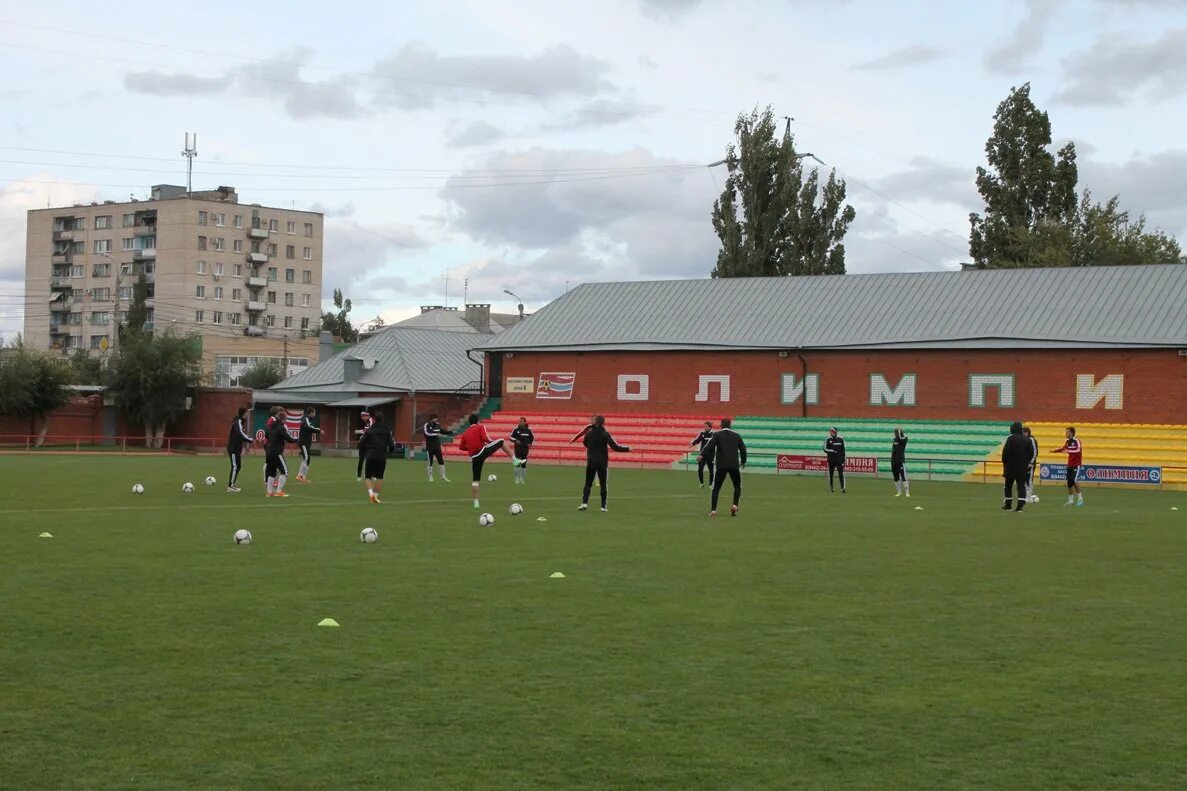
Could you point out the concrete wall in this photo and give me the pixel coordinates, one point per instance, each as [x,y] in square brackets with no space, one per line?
[1127,386]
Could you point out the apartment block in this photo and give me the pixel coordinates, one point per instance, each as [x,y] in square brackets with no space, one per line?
[245,278]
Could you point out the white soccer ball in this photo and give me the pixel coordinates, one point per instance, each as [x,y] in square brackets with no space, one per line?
[137,489]
[1034,498]
[368,536]
[242,537]
[187,487]
[486,520]
[492,477]
[210,480]
[515,510]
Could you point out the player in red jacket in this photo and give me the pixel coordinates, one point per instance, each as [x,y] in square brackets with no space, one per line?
[1075,458]
[478,443]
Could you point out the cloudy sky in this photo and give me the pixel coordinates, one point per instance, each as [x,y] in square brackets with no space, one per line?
[533,146]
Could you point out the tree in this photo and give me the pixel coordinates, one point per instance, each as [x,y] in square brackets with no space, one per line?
[138,310]
[338,324]
[1033,216]
[31,386]
[771,218]
[374,325]
[83,369]
[262,375]
[149,377]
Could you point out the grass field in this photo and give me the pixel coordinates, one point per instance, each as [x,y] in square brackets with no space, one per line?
[816,641]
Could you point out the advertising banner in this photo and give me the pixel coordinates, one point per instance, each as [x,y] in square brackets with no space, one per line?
[796,463]
[1101,473]
[554,385]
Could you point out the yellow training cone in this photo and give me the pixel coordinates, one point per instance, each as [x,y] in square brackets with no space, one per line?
[327,622]
[45,535]
[556,575]
[919,508]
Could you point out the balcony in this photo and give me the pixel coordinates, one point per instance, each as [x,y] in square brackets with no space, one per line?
[60,306]
[61,282]
[61,258]
[257,282]
[148,254]
[257,258]
[256,307]
[148,325]
[253,332]
[63,236]
[257,233]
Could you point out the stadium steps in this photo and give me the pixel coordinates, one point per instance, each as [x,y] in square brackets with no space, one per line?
[655,440]
[1121,444]
[941,449]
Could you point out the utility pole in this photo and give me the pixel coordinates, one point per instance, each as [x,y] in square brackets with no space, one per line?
[190,151]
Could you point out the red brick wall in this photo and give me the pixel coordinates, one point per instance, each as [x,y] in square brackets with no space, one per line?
[1045,383]
[209,415]
[79,417]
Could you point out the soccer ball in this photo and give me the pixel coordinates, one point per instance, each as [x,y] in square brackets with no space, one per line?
[516,509]
[1034,498]
[187,487]
[242,537]
[492,477]
[368,536]
[210,480]
[137,489]
[486,520]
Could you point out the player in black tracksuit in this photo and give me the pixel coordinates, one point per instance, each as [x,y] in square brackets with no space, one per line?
[275,470]
[364,423]
[523,437]
[598,444]
[1034,460]
[898,464]
[729,451]
[834,449]
[1016,456]
[377,443]
[235,442]
[433,431]
[305,442]
[704,460]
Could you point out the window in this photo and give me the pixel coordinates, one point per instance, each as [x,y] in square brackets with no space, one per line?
[271,273]
[199,315]
[307,277]
[150,243]
[102,245]
[235,318]
[218,294]
[76,271]
[309,229]
[304,300]
[129,220]
[125,293]
[255,247]
[74,318]
[290,251]
[237,294]
[270,321]
[220,220]
[273,225]
[77,247]
[288,299]
[272,249]
[272,297]
[218,317]
[80,223]
[201,218]
[237,220]
[201,267]
[307,253]
[200,292]
[305,323]
[288,322]
[237,246]
[217,243]
[101,294]
[97,341]
[128,243]
[290,276]
[201,242]
[237,271]
[290,227]
[103,222]
[100,317]
[101,270]
[218,268]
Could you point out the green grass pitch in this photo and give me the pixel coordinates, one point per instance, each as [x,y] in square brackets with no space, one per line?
[816,641]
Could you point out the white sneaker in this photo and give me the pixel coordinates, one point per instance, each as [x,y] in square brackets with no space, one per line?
[444,479]
[582,507]
[604,510]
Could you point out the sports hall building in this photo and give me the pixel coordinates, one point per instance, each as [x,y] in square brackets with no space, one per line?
[953,357]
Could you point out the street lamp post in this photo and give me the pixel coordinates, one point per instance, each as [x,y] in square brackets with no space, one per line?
[517,298]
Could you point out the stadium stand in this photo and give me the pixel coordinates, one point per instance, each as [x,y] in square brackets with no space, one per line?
[1122,444]
[655,440]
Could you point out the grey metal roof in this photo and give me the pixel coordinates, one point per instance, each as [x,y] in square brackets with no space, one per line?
[1117,306]
[399,359]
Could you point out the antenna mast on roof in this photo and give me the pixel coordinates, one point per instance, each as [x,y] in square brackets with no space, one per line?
[190,151]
